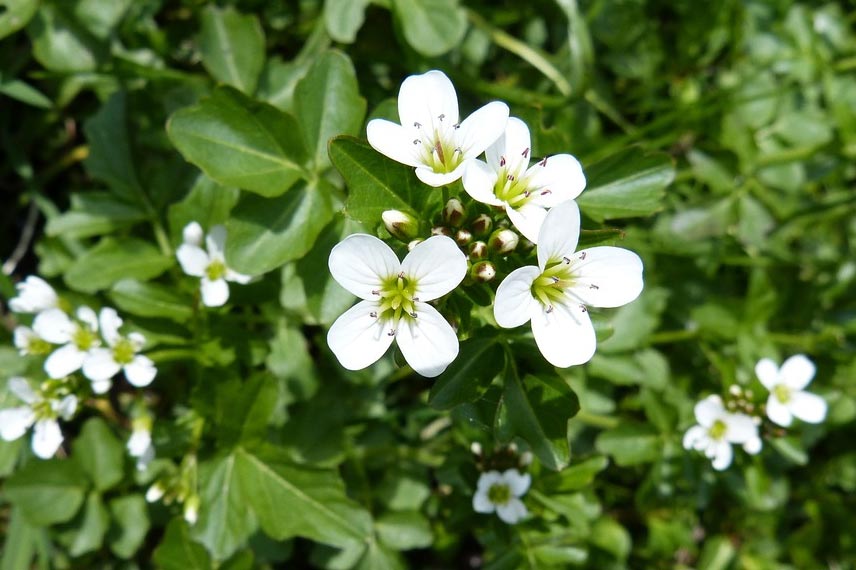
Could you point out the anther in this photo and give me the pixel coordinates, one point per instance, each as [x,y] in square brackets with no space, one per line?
[413,314]
[566,259]
[510,177]
[583,308]
[391,332]
[456,126]
[526,153]
[373,314]
[459,151]
[526,193]
[416,141]
[415,299]
[555,279]
[593,286]
[502,161]
[441,116]
[376,292]
[582,255]
[417,124]
[545,192]
[543,162]
[549,309]
[401,275]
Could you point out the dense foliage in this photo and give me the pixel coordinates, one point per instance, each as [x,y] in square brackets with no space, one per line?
[178,172]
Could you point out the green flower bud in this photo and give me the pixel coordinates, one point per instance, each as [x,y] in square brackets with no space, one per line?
[482,225]
[483,271]
[454,213]
[478,250]
[400,225]
[503,241]
[441,231]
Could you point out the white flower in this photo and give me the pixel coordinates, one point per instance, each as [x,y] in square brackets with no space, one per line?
[394,302]
[554,295]
[787,398]
[501,492]
[718,429]
[78,338]
[104,363]
[507,180]
[155,492]
[34,296]
[191,509]
[430,137]
[140,444]
[29,343]
[210,265]
[40,410]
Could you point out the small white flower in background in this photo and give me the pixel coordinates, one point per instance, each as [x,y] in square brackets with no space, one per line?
[554,295]
[787,398]
[209,265]
[77,336]
[104,363]
[40,410]
[718,429]
[29,343]
[394,304]
[34,296]
[191,509]
[501,492]
[507,180]
[430,137]
[140,443]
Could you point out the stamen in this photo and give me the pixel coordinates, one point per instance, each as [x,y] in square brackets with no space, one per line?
[376,292]
[526,153]
[543,162]
[417,124]
[373,314]
[441,116]
[510,177]
[439,149]
[413,314]
[545,192]
[583,308]
[502,161]
[415,299]
[401,275]
[416,141]
[459,151]
[549,309]
[566,259]
[526,193]
[555,279]
[582,255]
[391,332]
[593,286]
[456,126]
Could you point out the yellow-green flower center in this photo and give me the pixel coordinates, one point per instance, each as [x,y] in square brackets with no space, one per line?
[215,270]
[438,149]
[717,430]
[549,287]
[782,393]
[499,494]
[37,346]
[397,299]
[123,351]
[83,338]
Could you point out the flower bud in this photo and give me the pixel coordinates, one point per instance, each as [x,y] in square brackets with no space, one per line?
[414,243]
[441,231]
[155,492]
[191,509]
[463,237]
[478,250]
[476,448]
[482,225]
[503,241]
[400,224]
[483,271]
[454,213]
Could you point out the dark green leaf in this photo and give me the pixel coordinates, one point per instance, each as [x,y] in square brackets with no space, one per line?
[467,378]
[630,444]
[232,47]
[16,15]
[93,214]
[100,454]
[177,551]
[92,527]
[47,492]
[60,42]
[21,542]
[344,18]
[112,260]
[151,300]
[130,525]
[431,27]
[404,530]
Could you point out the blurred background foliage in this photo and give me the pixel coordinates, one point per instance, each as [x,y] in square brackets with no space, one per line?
[750,253]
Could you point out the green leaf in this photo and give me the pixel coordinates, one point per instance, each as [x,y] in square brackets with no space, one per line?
[93,214]
[100,454]
[177,551]
[130,525]
[101,17]
[21,542]
[344,18]
[375,183]
[24,92]
[580,475]
[207,203]
[630,443]
[539,408]
[47,492]
[327,103]
[264,233]
[625,185]
[242,409]
[431,27]
[110,155]
[468,377]
[60,43]
[404,530]
[15,15]
[151,300]
[611,537]
[232,47]
[717,554]
[240,142]
[292,500]
[90,531]
[115,259]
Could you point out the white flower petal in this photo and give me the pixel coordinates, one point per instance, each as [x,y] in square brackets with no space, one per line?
[481,504]
[482,128]
[236,277]
[565,336]
[21,388]
[607,277]
[137,340]
[753,446]
[54,326]
[479,181]
[437,265]
[437,179]
[561,174]
[428,343]
[47,438]
[139,442]
[22,337]
[528,220]
[394,141]
[147,457]
[192,234]
[722,455]
[87,316]
[511,145]
[34,295]
[741,428]
[140,371]
[357,338]
[14,422]
[709,410]
[693,435]
[778,412]
[559,233]
[100,366]
[514,303]
[513,511]
[423,98]
[101,386]
[808,407]
[193,259]
[517,482]
[360,263]
[64,361]
[797,372]
[704,443]
[66,407]
[767,372]
[214,293]
[216,241]
[110,322]
[488,479]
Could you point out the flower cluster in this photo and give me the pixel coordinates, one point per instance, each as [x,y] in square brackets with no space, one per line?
[534,196]
[737,421]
